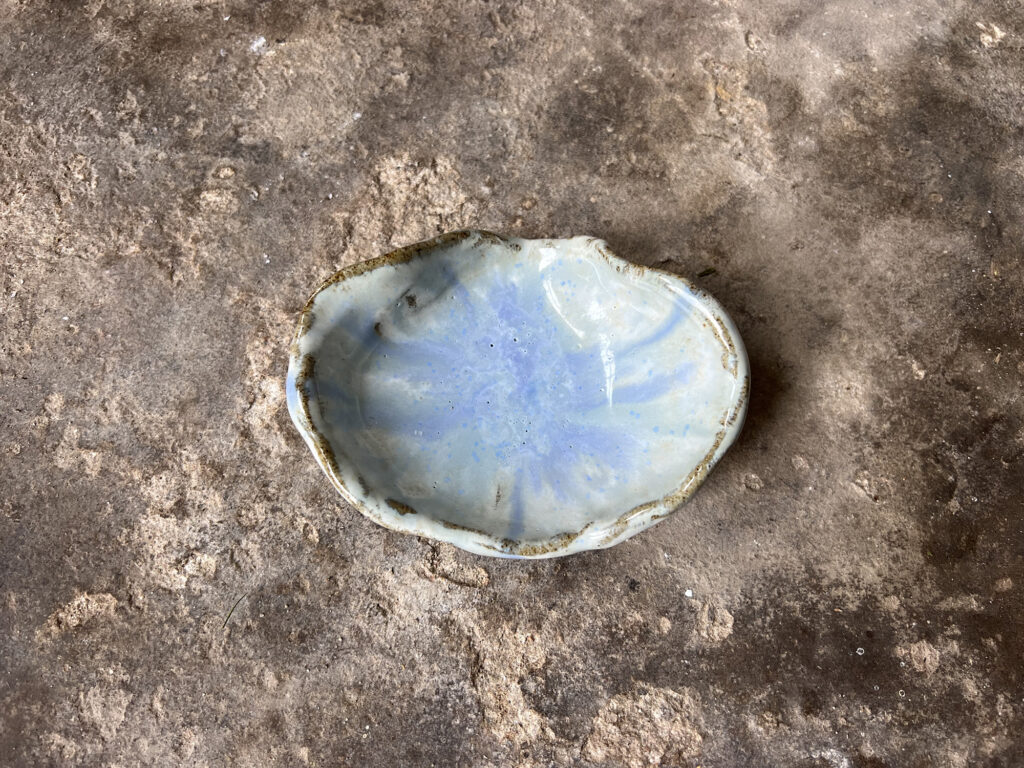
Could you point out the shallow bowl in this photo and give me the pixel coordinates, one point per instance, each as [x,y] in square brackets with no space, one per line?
[522,398]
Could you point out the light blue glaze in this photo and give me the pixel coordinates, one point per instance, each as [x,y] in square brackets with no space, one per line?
[523,397]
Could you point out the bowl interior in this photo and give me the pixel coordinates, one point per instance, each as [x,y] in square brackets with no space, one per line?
[520,389]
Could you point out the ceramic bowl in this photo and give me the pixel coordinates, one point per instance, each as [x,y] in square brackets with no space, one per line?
[521,398]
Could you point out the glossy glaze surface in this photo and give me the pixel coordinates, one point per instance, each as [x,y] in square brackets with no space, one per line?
[515,397]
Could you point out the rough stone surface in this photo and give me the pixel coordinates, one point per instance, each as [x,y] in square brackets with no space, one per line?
[644,727]
[181,586]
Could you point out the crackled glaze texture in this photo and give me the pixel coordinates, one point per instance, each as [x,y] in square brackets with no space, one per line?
[515,397]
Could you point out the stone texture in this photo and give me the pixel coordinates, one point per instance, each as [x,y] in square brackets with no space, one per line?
[180,585]
[645,727]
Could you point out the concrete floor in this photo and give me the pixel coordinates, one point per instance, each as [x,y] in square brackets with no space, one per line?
[181,586]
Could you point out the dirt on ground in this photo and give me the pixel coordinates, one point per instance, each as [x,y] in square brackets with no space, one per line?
[179,583]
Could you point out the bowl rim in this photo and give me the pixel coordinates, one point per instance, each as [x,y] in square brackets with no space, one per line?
[402,518]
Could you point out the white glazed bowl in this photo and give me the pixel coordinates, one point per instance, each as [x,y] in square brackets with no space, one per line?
[521,398]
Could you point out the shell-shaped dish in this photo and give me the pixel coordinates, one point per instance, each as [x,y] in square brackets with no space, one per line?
[518,398]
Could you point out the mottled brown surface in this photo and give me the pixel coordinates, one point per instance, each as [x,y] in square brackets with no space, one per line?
[180,585]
